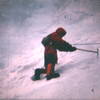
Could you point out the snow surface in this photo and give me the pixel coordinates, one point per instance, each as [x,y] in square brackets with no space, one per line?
[24,23]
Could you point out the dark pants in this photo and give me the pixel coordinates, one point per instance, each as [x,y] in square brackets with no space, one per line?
[50,59]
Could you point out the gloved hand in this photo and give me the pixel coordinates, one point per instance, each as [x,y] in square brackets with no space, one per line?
[72,49]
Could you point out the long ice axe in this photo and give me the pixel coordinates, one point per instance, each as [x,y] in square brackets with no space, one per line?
[97,51]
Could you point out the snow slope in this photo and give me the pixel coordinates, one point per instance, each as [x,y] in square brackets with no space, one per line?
[22,51]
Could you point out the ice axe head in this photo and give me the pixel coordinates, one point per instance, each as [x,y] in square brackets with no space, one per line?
[97,52]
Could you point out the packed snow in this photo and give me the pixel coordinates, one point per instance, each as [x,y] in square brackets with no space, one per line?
[23,24]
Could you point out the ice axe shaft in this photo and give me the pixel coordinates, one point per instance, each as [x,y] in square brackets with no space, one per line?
[89,51]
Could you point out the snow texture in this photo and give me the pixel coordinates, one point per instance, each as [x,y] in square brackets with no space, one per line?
[23,23]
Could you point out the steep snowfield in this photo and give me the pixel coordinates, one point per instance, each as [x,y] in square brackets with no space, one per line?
[22,51]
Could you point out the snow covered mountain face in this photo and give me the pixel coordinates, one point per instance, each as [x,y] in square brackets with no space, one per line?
[23,23]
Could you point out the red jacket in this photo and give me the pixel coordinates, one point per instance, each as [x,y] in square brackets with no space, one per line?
[50,49]
[57,43]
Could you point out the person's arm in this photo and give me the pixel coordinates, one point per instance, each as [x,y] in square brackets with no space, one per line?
[62,45]
[69,47]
